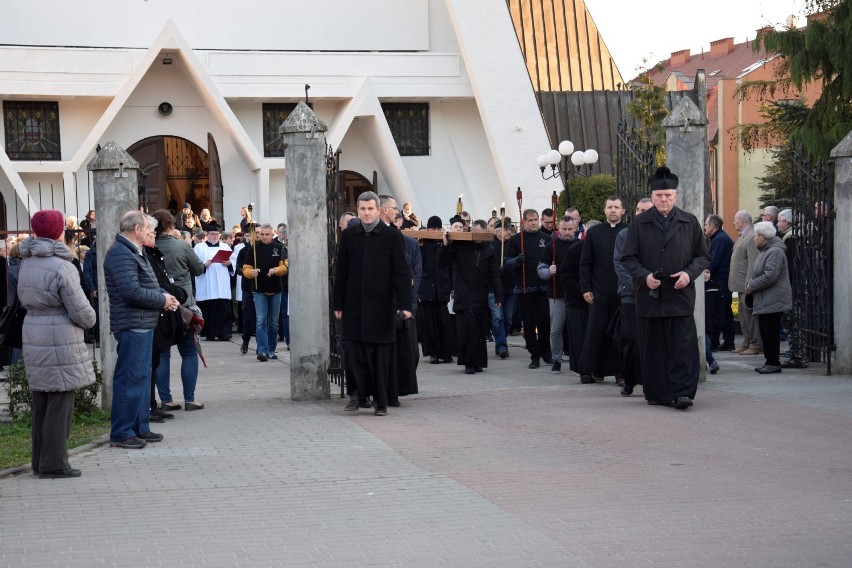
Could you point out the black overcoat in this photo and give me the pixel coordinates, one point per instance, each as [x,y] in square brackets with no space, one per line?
[475,269]
[648,249]
[371,283]
[435,285]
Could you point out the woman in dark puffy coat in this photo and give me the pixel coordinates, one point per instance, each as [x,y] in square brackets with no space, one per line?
[56,359]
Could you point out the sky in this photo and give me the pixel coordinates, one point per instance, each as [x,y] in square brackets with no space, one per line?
[634,30]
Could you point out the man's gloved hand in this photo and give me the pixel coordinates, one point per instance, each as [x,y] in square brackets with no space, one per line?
[521,259]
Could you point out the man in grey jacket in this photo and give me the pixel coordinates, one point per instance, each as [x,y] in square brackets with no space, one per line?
[135,301]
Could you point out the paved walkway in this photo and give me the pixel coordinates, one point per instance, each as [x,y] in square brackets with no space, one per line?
[510,468]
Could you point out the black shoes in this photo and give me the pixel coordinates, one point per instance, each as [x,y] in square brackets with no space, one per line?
[262,357]
[683,402]
[60,473]
[447,360]
[713,368]
[468,370]
[150,437]
[129,444]
[244,346]
[534,364]
[556,368]
[768,369]
[619,382]
[586,379]
[478,369]
[626,391]
[381,411]
[156,419]
[503,354]
[168,406]
[433,360]
[352,405]
[193,406]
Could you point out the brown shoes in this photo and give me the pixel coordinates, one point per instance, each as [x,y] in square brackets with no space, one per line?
[751,351]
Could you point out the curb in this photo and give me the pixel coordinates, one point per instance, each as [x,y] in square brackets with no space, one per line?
[72,452]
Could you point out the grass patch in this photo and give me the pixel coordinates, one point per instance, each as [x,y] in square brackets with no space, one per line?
[16,437]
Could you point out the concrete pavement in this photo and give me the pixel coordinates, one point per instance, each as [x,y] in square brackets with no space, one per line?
[510,467]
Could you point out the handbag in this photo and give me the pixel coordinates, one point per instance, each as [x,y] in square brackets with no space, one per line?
[12,325]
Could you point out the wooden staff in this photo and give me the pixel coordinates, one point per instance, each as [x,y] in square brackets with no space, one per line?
[520,196]
[553,202]
[253,248]
[502,228]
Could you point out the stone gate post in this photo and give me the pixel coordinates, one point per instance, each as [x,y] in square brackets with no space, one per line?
[115,176]
[304,181]
[687,155]
[842,155]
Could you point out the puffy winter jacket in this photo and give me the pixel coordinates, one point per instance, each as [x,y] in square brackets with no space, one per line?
[135,298]
[57,313]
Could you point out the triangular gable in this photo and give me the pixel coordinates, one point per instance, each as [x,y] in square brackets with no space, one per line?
[380,143]
[171,39]
[8,168]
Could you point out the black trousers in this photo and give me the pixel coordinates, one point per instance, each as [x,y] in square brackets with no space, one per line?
[577,321]
[438,335]
[406,358]
[631,362]
[218,318]
[51,426]
[770,326]
[669,357]
[370,364]
[535,311]
[249,315]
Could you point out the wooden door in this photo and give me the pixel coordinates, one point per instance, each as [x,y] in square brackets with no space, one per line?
[215,178]
[151,155]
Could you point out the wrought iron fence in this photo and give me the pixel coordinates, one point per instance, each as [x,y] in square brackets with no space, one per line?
[812,273]
[636,160]
[334,206]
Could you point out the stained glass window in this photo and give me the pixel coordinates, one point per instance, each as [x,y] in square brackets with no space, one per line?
[274,114]
[32,130]
[409,125]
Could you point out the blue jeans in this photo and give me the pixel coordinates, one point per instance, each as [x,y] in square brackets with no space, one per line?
[131,384]
[509,300]
[267,310]
[708,353]
[284,320]
[498,328]
[188,370]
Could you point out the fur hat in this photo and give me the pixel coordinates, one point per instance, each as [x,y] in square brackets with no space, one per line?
[663,178]
[434,222]
[456,219]
[49,224]
[212,226]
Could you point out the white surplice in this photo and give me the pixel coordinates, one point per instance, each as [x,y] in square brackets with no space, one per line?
[215,283]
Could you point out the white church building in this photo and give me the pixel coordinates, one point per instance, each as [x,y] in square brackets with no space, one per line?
[425,99]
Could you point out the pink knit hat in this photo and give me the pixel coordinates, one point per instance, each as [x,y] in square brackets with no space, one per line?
[49,224]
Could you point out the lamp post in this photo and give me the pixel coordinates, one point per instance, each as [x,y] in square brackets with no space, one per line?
[579,158]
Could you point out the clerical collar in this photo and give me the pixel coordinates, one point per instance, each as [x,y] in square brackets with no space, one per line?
[613,225]
[209,244]
[371,226]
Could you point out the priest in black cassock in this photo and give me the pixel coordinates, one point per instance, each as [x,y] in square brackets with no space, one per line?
[599,285]
[372,290]
[437,334]
[475,267]
[665,251]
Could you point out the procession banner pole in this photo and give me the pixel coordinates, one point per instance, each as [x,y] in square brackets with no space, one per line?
[253,248]
[520,196]
[502,228]
[554,200]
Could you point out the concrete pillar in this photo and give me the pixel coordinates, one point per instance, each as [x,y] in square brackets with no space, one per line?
[842,155]
[304,178]
[115,181]
[687,156]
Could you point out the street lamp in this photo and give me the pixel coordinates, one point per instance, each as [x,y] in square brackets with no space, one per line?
[579,158]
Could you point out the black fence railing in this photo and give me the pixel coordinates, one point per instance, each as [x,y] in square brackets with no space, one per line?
[334,207]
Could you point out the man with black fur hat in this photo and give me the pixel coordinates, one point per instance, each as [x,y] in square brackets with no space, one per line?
[665,252]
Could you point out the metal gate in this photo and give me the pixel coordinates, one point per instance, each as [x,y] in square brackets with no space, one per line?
[635,162]
[334,198]
[812,273]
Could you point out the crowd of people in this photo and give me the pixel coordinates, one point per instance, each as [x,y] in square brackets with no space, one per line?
[168,283]
[609,298]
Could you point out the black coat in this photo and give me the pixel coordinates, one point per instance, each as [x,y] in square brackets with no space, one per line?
[648,248]
[533,249]
[476,270]
[170,330]
[568,271]
[371,283]
[435,284]
[597,271]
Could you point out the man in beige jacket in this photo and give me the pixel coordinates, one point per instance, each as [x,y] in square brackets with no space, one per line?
[742,261]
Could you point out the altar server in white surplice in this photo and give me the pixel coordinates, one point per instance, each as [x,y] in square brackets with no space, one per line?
[213,287]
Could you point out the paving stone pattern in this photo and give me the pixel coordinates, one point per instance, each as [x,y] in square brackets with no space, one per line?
[507,468]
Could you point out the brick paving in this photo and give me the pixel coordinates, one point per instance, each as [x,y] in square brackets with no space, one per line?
[510,468]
